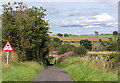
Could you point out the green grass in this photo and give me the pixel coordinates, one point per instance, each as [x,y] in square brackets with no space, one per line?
[26,71]
[87,36]
[104,37]
[83,72]
[101,36]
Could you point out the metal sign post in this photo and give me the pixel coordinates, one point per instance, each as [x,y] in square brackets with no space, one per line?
[7,56]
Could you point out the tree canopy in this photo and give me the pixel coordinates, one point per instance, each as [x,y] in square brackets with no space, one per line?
[86,43]
[26,29]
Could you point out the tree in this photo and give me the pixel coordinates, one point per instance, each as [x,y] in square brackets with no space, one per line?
[65,48]
[115,33]
[80,51]
[118,41]
[60,35]
[57,40]
[65,35]
[100,40]
[86,43]
[112,46]
[55,43]
[27,31]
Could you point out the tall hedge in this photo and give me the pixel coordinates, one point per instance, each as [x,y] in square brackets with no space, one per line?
[26,30]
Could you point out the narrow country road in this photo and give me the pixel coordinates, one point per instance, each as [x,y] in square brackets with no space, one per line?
[53,74]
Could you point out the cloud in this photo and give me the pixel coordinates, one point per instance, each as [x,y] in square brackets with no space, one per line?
[72,23]
[91,26]
[97,21]
[51,11]
[102,18]
[79,13]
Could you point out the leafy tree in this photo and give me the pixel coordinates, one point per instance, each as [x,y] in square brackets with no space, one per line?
[112,46]
[115,33]
[65,48]
[65,35]
[80,51]
[55,43]
[57,40]
[100,40]
[27,30]
[118,41]
[60,35]
[86,43]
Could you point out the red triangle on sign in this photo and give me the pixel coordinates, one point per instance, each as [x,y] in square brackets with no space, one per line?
[7,47]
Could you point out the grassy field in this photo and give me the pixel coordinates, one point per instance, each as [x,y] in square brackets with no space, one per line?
[104,37]
[26,71]
[102,52]
[83,72]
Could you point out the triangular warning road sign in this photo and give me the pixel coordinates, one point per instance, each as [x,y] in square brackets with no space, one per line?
[7,47]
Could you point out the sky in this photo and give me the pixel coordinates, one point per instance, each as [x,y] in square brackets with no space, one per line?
[62,0]
[78,17]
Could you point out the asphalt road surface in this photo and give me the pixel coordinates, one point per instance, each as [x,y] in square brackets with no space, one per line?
[52,74]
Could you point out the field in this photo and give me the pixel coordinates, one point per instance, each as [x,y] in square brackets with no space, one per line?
[102,52]
[104,37]
[80,71]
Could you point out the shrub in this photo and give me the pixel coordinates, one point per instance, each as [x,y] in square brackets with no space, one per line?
[65,35]
[86,43]
[80,51]
[112,47]
[65,48]
[55,43]
[118,41]
[60,35]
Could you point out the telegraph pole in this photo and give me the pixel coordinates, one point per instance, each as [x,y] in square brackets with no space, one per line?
[92,43]
[96,33]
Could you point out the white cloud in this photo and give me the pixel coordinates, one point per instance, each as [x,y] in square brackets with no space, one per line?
[103,18]
[91,26]
[82,17]
[97,21]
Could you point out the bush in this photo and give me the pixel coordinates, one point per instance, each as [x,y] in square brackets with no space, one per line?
[65,35]
[86,43]
[55,43]
[65,48]
[80,51]
[112,47]
[60,35]
[118,41]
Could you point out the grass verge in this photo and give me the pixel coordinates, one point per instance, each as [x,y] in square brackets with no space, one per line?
[83,72]
[26,71]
